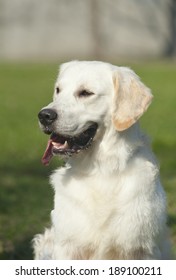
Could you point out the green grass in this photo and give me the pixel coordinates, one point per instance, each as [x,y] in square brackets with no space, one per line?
[25,194]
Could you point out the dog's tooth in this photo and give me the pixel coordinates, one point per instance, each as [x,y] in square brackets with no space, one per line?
[65,145]
[56,145]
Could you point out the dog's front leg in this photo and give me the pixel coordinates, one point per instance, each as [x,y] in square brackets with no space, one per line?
[46,247]
[43,245]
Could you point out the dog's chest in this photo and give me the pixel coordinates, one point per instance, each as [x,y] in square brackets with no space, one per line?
[84,206]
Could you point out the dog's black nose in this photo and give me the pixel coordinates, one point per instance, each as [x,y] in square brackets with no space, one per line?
[47,116]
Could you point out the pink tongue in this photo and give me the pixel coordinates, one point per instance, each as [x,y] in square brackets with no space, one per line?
[48,153]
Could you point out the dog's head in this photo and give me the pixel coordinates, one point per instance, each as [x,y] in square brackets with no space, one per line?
[87,97]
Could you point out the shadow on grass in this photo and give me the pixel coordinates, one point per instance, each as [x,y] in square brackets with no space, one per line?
[21,250]
[26,200]
[171,220]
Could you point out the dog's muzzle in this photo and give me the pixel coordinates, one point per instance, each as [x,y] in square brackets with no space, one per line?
[59,144]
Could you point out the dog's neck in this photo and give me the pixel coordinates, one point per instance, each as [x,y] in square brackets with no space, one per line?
[110,152]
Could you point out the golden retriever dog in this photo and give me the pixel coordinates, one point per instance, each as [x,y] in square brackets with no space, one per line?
[109,202]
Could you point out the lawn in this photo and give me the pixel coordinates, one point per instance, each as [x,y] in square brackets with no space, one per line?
[25,195]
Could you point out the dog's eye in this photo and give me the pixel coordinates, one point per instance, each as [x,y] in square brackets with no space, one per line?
[57,90]
[85,93]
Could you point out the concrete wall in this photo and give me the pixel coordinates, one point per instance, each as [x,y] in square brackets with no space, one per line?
[49,29]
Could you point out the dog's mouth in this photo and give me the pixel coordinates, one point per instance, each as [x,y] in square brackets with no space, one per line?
[68,145]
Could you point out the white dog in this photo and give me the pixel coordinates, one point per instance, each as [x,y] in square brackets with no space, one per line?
[109,202]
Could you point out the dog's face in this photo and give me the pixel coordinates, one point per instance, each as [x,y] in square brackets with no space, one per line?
[87,97]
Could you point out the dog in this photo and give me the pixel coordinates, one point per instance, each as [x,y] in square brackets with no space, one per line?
[109,202]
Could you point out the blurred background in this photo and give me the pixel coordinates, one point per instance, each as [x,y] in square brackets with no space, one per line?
[105,29]
[35,37]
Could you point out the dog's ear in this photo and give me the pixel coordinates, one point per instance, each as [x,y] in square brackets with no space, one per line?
[131,98]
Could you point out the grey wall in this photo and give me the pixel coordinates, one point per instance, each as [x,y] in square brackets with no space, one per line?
[49,29]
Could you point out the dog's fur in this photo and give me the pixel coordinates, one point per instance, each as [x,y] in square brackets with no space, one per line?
[109,202]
